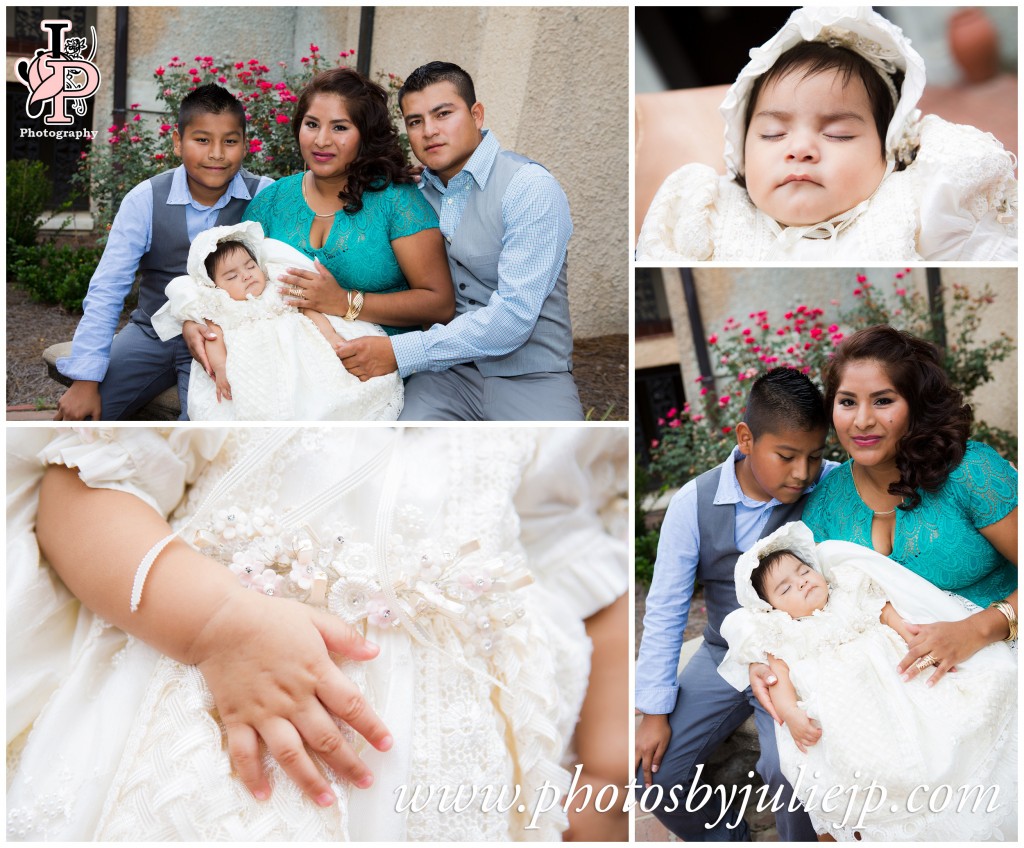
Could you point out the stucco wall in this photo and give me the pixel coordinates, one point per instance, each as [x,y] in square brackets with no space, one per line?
[732,292]
[554,83]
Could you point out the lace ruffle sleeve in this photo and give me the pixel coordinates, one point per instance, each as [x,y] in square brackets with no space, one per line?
[968,194]
[409,213]
[573,512]
[186,301]
[679,224]
[155,465]
[985,484]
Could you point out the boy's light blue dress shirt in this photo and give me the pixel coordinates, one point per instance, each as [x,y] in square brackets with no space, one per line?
[668,602]
[129,240]
[535,215]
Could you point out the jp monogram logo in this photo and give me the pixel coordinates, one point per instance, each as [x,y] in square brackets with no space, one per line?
[59,76]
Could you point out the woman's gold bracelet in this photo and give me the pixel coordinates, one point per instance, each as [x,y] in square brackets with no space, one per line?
[1011,617]
[355,305]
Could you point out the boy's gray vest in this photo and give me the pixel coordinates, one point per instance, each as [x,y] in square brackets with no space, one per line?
[473,258]
[168,252]
[716,561]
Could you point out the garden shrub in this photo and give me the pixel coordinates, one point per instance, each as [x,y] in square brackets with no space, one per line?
[51,273]
[28,193]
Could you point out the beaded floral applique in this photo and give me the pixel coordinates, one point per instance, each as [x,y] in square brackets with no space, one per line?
[431,579]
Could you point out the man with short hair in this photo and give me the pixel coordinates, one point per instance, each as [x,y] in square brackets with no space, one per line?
[507,355]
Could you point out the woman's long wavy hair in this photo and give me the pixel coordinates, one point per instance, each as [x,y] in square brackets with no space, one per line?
[380,161]
[940,421]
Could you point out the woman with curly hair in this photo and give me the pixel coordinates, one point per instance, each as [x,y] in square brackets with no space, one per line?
[356,212]
[917,490]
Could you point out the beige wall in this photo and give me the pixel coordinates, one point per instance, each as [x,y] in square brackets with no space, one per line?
[725,292]
[554,83]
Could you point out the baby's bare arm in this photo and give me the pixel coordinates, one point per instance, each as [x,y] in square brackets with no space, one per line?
[265,659]
[894,620]
[217,350]
[217,354]
[323,325]
[602,733]
[804,732]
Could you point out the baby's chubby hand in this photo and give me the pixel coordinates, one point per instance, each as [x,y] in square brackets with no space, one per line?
[804,730]
[268,666]
[223,388]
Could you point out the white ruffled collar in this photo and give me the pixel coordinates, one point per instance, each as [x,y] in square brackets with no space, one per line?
[788,236]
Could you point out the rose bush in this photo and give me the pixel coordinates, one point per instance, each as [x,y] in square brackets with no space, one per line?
[141,148]
[699,436]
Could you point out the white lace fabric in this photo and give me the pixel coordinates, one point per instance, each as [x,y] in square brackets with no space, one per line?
[151,762]
[956,201]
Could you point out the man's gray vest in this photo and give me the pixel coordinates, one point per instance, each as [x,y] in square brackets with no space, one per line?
[473,258]
[168,251]
[716,562]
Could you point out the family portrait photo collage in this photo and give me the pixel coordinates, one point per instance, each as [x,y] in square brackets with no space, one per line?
[512,423]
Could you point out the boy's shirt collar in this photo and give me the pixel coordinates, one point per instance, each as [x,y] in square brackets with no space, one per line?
[730,492]
[179,194]
[478,166]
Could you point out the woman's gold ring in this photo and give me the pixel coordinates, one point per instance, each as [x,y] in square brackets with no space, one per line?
[925,661]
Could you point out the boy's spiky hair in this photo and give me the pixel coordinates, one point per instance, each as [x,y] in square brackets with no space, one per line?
[210,99]
[784,399]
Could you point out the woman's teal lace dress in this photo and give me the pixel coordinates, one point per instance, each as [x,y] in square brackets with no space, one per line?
[939,538]
[358,249]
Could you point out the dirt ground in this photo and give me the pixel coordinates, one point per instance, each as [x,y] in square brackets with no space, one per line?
[601,363]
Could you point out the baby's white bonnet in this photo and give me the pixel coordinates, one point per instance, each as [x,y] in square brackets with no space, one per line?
[796,537]
[250,233]
[857,28]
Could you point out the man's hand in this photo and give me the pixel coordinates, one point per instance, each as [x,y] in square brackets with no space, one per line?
[652,738]
[804,731]
[369,356]
[195,336]
[80,402]
[761,678]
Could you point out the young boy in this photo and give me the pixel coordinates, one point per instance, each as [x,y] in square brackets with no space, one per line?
[114,376]
[709,523]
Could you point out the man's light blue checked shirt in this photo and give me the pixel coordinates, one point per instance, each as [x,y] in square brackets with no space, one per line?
[535,214]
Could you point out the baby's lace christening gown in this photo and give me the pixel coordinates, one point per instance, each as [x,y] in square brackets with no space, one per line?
[471,561]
